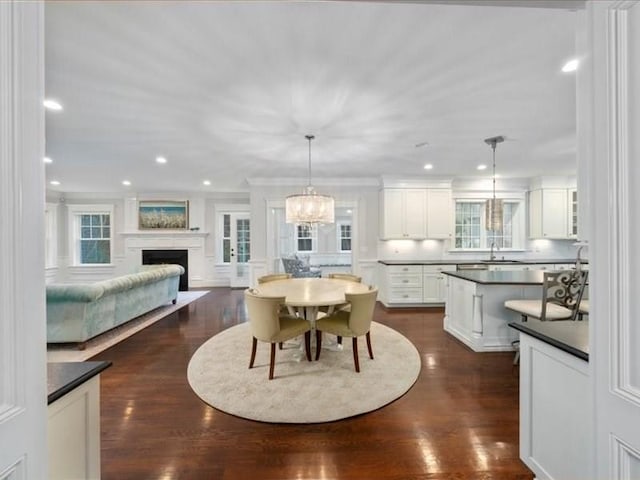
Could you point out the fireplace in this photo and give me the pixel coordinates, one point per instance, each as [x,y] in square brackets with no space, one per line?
[178,257]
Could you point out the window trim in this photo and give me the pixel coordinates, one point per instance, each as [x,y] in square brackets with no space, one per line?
[74,212]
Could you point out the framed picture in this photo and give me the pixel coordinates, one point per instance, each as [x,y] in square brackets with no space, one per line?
[160,214]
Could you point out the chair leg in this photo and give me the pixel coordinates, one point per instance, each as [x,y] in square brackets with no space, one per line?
[339,340]
[253,351]
[307,344]
[272,362]
[516,359]
[280,345]
[369,345]
[524,318]
[318,343]
[354,343]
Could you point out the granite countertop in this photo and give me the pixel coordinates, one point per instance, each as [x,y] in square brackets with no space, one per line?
[487,277]
[524,261]
[569,336]
[62,377]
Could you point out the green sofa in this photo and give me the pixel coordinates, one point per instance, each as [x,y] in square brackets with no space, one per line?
[78,312]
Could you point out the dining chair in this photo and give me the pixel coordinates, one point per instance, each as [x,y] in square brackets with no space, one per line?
[583,309]
[561,297]
[354,323]
[269,325]
[273,277]
[346,276]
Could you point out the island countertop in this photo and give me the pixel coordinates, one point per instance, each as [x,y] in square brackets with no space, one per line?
[569,336]
[488,277]
[62,377]
[523,261]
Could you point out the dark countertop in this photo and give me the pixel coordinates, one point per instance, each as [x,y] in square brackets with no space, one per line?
[569,336]
[62,377]
[486,277]
[526,261]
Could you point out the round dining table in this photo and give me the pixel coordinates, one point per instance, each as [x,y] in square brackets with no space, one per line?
[311,293]
[305,296]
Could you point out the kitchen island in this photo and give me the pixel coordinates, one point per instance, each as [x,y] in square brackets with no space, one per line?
[474,307]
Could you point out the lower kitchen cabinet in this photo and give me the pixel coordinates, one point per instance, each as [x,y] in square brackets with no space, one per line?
[434,287]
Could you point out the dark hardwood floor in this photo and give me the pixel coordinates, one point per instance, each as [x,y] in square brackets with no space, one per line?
[459,421]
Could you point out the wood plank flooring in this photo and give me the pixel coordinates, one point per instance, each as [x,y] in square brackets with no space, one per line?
[459,421]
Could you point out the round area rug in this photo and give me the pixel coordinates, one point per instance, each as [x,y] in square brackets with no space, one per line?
[302,391]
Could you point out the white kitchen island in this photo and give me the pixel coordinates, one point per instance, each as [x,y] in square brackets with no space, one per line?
[474,309]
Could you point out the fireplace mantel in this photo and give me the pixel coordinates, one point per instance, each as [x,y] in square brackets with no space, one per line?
[164,233]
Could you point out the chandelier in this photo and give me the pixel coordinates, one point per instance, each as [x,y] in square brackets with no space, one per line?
[494,206]
[309,206]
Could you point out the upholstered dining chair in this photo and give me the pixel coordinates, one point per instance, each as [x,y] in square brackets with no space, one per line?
[269,325]
[354,323]
[346,276]
[273,277]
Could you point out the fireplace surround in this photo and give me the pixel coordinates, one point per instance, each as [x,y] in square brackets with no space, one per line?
[178,257]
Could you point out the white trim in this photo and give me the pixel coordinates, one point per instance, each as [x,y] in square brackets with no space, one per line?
[74,212]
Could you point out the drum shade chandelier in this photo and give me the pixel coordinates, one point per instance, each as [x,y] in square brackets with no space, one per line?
[309,206]
[494,206]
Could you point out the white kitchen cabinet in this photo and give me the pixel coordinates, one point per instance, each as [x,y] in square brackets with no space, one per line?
[439,213]
[434,285]
[549,213]
[403,213]
[404,284]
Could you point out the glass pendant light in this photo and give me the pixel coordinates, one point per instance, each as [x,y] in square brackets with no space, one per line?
[494,206]
[309,206]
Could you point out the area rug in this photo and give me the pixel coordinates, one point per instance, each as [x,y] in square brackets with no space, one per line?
[302,392]
[69,353]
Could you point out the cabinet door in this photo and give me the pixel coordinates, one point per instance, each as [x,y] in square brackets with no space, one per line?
[535,214]
[392,208]
[431,290]
[439,214]
[554,213]
[415,213]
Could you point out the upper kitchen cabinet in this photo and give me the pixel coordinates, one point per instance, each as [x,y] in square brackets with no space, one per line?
[553,212]
[403,213]
[439,213]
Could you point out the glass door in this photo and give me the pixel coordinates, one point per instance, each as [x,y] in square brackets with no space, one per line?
[237,248]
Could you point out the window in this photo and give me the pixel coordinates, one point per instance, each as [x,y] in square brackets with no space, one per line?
[91,234]
[305,238]
[344,237]
[470,226]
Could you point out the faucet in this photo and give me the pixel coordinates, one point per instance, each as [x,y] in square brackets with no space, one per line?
[492,256]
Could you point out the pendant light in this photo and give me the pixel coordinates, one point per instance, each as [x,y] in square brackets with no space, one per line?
[309,207]
[494,206]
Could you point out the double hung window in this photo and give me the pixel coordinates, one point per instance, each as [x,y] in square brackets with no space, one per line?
[91,234]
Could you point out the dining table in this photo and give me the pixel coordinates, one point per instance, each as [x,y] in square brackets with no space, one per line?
[306,296]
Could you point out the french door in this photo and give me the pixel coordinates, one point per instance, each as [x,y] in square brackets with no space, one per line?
[238,233]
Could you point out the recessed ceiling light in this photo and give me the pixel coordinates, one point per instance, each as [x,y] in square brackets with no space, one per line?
[51,104]
[481,167]
[47,160]
[571,65]
[428,166]
[54,182]
[126,182]
[161,160]
[206,182]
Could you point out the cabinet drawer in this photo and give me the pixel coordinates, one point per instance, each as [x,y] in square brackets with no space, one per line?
[405,295]
[438,268]
[407,280]
[402,269]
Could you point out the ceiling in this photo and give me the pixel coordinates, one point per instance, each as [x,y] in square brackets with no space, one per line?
[227,91]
